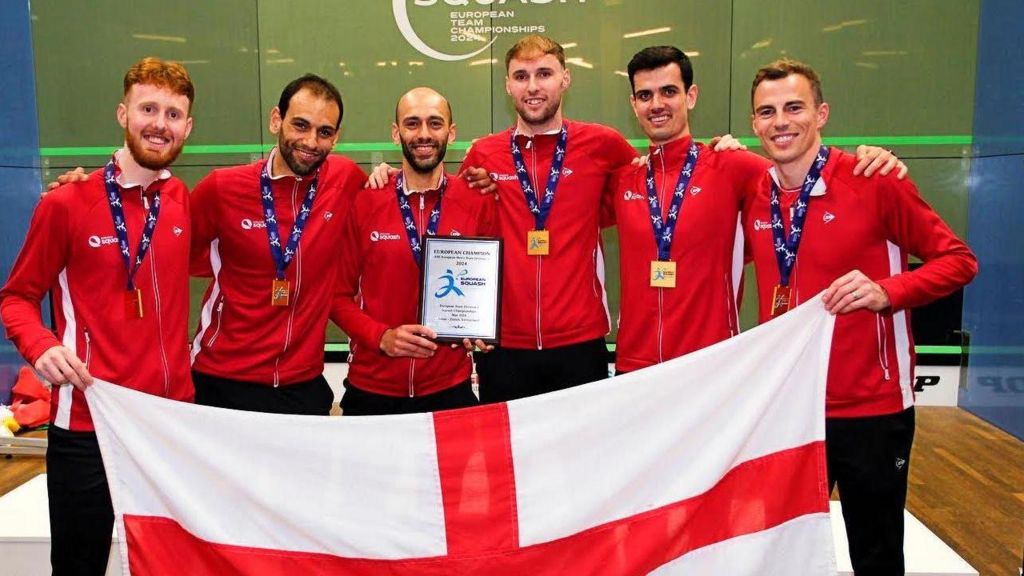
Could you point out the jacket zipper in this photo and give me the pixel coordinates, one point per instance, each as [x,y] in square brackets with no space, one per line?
[412,375]
[412,361]
[661,323]
[661,291]
[795,297]
[159,322]
[216,332]
[88,347]
[883,338]
[539,259]
[730,307]
[294,301]
[156,303]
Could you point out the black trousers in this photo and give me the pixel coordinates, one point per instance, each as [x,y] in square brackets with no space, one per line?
[312,397]
[510,373]
[869,459]
[359,402]
[81,515]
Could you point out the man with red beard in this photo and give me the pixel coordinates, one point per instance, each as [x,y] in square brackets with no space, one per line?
[114,250]
[395,367]
[812,228]
[270,232]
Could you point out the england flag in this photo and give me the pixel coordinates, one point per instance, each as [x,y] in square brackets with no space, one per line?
[710,464]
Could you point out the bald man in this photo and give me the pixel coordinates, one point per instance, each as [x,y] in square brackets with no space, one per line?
[396,367]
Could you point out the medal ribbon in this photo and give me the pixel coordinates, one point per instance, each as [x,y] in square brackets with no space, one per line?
[120,227]
[283,258]
[543,208]
[663,230]
[786,248]
[410,223]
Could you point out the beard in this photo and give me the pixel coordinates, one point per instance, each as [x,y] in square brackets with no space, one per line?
[294,164]
[428,165]
[148,159]
[541,116]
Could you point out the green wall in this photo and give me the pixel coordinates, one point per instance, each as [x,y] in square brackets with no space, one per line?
[893,72]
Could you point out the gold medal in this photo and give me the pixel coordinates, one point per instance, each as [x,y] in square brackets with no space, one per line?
[538,243]
[781,300]
[663,274]
[279,293]
[133,303]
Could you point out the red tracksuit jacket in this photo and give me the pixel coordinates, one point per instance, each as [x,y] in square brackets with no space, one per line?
[71,248]
[558,299]
[379,285]
[658,324]
[241,336]
[867,224]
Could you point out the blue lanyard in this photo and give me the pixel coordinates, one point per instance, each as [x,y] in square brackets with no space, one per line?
[543,208]
[663,230]
[283,258]
[120,227]
[786,248]
[410,223]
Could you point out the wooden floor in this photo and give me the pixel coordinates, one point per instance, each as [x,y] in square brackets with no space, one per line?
[966,485]
[16,470]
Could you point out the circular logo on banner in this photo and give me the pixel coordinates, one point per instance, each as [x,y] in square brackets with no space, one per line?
[405,27]
[94,241]
[246,224]
[374,236]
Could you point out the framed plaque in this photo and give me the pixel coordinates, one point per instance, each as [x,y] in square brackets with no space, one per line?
[460,290]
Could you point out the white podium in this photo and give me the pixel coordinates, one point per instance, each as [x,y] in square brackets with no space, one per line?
[924,553]
[25,532]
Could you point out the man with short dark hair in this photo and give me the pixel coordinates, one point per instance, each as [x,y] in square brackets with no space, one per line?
[269,231]
[680,260]
[680,251]
[114,251]
[395,366]
[813,227]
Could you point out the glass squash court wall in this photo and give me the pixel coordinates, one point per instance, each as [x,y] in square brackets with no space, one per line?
[994,303]
[897,74]
[19,154]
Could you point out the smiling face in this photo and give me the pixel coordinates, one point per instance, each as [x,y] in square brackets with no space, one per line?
[156,124]
[423,128]
[536,86]
[662,103]
[307,133]
[787,119]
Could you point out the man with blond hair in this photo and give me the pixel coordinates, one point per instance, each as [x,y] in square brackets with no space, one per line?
[114,250]
[551,174]
[812,226]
